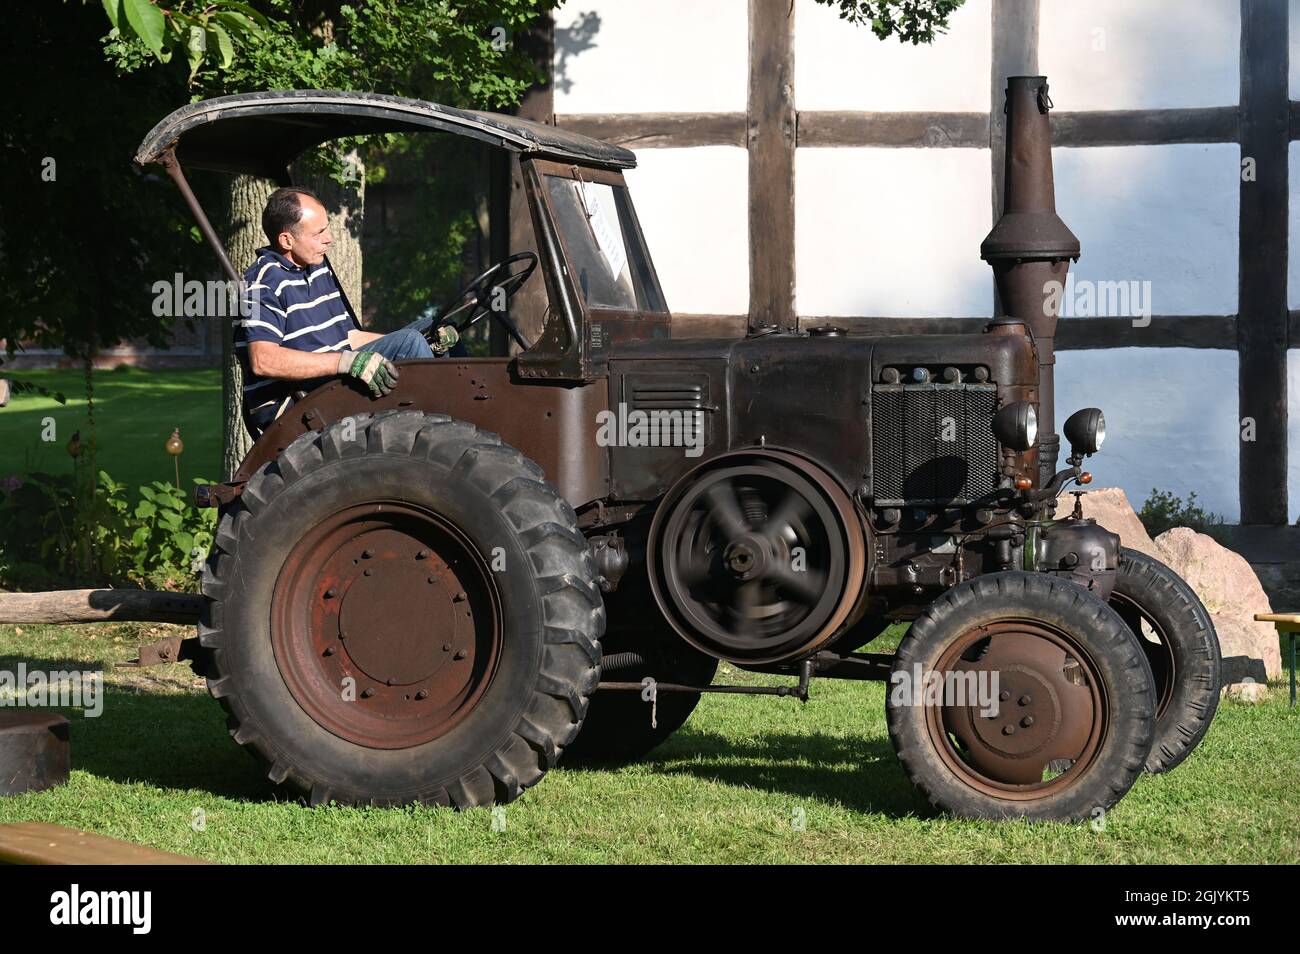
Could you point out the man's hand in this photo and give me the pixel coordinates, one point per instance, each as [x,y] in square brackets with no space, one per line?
[445,338]
[373,370]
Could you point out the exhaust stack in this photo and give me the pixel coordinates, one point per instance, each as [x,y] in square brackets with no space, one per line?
[1030,246]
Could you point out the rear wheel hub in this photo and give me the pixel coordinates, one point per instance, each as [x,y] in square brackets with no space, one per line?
[385,625]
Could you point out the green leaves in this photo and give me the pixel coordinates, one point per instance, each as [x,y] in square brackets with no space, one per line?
[209,33]
[912,21]
[47,521]
[147,22]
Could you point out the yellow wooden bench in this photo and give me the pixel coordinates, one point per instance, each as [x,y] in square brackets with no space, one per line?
[1288,623]
[36,843]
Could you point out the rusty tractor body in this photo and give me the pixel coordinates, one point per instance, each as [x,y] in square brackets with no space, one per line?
[509,560]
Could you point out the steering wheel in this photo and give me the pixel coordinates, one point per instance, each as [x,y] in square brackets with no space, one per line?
[475,299]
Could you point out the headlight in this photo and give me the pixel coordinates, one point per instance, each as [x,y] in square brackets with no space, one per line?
[1085,430]
[1016,425]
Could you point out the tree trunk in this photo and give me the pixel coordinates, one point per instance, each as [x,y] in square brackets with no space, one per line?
[59,607]
[346,206]
[243,236]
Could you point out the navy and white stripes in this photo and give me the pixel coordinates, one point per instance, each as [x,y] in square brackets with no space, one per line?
[300,308]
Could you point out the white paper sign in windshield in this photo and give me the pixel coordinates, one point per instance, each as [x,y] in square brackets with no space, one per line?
[602,215]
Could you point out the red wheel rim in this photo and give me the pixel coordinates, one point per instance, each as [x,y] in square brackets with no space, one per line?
[1051,719]
[385,624]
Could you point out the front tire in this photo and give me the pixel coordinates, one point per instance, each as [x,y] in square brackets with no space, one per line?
[1074,716]
[1178,637]
[400,609]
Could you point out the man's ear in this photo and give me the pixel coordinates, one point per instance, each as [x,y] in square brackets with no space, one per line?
[285,240]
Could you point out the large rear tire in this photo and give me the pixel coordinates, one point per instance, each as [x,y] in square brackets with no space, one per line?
[1075,701]
[400,609]
[1178,637]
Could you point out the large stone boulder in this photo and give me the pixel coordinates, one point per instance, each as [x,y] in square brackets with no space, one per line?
[1232,593]
[1109,506]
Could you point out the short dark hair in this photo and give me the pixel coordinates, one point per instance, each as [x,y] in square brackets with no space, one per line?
[283,211]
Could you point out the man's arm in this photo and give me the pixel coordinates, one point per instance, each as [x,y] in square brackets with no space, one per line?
[271,360]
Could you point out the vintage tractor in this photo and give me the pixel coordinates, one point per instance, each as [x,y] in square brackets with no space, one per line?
[436,595]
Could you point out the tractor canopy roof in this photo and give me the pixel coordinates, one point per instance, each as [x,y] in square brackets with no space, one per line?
[261,133]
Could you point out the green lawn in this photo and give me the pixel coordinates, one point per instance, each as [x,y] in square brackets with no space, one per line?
[135,412]
[724,789]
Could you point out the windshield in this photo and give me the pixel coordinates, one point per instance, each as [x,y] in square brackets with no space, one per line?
[606,253]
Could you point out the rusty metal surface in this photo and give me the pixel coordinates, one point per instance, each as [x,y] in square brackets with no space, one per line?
[1029,246]
[550,423]
[1051,719]
[33,752]
[385,625]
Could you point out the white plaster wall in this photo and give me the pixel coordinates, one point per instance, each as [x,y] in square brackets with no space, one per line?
[693,205]
[1139,54]
[1171,420]
[1164,214]
[892,232]
[841,66]
[1293,432]
[630,56]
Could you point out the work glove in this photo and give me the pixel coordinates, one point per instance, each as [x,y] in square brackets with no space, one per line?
[371,369]
[445,338]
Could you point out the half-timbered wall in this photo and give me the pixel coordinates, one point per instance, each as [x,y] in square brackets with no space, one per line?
[795,170]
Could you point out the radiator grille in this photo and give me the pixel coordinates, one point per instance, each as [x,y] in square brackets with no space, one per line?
[933,443]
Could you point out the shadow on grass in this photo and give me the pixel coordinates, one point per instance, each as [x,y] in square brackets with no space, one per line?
[860,773]
[178,740]
[168,740]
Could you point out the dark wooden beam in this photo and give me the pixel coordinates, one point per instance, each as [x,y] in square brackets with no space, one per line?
[659,130]
[1163,331]
[770,136]
[850,128]
[1262,326]
[845,128]
[687,325]
[1142,127]
[1073,334]
[1293,320]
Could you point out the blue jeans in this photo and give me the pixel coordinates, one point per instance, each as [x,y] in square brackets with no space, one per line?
[401,344]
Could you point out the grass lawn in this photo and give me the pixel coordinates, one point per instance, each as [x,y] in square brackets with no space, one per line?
[135,412]
[725,789]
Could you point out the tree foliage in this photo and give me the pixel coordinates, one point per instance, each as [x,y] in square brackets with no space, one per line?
[457,53]
[912,21]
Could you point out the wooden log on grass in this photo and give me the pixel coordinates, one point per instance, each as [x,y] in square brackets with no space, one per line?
[60,607]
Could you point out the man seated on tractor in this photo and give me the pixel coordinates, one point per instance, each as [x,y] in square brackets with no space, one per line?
[298,329]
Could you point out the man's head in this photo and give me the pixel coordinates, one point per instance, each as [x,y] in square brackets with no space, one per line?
[297,225]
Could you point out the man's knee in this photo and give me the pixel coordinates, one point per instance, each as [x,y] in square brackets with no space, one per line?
[403,344]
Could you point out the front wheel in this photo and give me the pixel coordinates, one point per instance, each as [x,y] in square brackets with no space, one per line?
[400,609]
[1178,637]
[1018,695]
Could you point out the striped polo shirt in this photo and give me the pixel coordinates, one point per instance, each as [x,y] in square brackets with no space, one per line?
[299,308]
